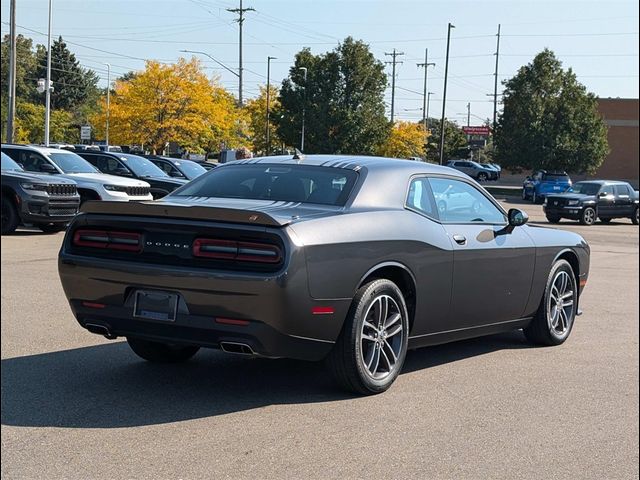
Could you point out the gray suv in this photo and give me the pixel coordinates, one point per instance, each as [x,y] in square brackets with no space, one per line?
[48,203]
[474,170]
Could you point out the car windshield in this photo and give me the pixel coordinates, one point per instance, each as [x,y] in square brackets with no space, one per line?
[190,169]
[275,182]
[585,188]
[69,162]
[9,165]
[141,166]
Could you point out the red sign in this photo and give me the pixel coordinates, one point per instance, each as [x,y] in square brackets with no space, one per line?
[477,130]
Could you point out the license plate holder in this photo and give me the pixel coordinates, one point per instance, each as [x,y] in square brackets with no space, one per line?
[155,305]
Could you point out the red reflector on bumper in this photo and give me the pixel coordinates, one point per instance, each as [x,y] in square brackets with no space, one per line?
[231,321]
[93,305]
[322,310]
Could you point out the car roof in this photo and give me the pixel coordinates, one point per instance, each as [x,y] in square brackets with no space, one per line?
[37,148]
[604,182]
[352,162]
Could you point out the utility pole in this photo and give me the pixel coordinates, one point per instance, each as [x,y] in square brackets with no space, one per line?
[108,109]
[444,95]
[469,114]
[240,11]
[428,101]
[304,107]
[12,73]
[394,55]
[426,65]
[495,83]
[47,85]
[268,132]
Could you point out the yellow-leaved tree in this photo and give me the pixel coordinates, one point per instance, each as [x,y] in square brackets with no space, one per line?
[406,140]
[257,111]
[172,103]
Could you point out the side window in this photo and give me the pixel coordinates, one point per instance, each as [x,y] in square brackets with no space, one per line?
[107,164]
[31,161]
[621,190]
[605,190]
[420,198]
[460,202]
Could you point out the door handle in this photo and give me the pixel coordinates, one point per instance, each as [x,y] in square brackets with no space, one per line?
[460,239]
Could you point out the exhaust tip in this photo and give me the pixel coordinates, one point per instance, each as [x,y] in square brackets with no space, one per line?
[237,348]
[100,330]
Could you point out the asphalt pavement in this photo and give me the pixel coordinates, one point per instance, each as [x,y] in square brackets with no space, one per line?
[77,406]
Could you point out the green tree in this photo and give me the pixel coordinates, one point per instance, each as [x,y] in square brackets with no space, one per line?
[549,120]
[257,110]
[343,97]
[454,140]
[25,68]
[73,85]
[30,125]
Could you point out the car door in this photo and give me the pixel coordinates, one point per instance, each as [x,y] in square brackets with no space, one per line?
[622,202]
[606,201]
[492,264]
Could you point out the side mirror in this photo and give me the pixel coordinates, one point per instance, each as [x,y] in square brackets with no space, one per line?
[517,218]
[603,194]
[175,174]
[48,168]
[123,172]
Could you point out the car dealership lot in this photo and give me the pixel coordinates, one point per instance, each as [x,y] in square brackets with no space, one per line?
[75,405]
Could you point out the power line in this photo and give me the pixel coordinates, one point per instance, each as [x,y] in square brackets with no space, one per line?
[240,11]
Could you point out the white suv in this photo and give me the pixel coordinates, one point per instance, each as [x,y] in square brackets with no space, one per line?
[92,184]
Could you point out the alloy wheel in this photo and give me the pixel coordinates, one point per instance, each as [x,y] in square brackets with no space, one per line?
[589,216]
[560,304]
[381,337]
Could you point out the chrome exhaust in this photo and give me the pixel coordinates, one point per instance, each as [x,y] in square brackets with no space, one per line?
[237,348]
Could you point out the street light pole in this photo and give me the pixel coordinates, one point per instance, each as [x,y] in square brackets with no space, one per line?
[47,85]
[444,94]
[12,73]
[108,110]
[469,114]
[268,137]
[304,107]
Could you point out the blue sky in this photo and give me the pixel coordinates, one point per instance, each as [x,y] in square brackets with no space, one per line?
[598,39]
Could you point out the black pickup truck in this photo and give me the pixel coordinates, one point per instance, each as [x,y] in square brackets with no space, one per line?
[591,200]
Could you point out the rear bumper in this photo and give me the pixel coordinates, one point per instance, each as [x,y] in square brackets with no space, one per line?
[276,309]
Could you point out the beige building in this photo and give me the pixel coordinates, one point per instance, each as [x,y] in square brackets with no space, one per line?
[621,117]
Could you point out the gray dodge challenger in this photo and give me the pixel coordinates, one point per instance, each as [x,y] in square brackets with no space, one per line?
[349,259]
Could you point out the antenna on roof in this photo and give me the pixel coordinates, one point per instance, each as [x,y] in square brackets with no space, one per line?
[298,155]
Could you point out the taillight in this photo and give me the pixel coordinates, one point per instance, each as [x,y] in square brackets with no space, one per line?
[127,241]
[232,250]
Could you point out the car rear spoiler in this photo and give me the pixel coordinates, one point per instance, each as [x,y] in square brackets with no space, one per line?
[195,212]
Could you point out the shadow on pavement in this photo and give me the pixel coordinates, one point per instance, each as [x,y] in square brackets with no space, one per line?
[106,386]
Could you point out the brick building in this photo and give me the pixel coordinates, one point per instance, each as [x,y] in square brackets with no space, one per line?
[621,117]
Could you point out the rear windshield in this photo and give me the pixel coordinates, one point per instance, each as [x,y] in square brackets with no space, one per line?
[278,183]
[558,177]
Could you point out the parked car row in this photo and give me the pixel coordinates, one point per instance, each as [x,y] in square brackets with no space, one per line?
[480,172]
[44,186]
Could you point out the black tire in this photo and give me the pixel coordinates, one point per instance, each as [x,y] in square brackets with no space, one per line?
[553,219]
[541,331]
[588,216]
[161,352]
[482,177]
[52,227]
[347,359]
[10,217]
[605,220]
[634,217]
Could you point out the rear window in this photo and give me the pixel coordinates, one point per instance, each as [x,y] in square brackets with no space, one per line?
[278,183]
[558,177]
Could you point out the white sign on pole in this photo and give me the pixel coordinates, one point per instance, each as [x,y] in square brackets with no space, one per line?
[85,132]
